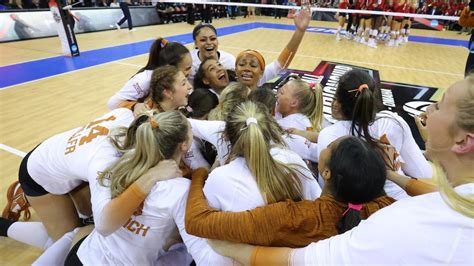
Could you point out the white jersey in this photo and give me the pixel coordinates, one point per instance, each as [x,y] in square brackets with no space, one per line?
[136,88]
[232,187]
[298,121]
[271,71]
[62,162]
[211,131]
[399,134]
[421,230]
[227,60]
[149,232]
[193,157]
[306,149]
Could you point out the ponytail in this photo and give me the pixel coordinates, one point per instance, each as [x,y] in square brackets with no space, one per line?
[360,102]
[164,53]
[350,218]
[250,129]
[155,137]
[310,97]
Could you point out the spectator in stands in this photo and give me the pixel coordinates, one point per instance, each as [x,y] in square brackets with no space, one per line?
[164,12]
[277,10]
[206,13]
[190,16]
[467,20]
[126,15]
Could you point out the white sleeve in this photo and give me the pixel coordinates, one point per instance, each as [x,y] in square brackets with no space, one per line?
[303,147]
[368,243]
[198,247]
[271,71]
[135,88]
[415,164]
[227,60]
[209,131]
[101,195]
[325,138]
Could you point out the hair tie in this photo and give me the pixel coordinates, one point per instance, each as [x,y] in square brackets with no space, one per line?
[153,123]
[312,86]
[189,109]
[251,120]
[164,42]
[360,90]
[356,207]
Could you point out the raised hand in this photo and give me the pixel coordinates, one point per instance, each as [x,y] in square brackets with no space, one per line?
[303,17]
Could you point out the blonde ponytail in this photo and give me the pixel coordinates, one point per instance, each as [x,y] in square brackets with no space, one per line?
[250,130]
[155,137]
[460,203]
[310,97]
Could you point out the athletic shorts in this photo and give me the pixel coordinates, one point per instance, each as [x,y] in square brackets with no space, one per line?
[29,186]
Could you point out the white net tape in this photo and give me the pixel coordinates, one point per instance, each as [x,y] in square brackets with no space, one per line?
[315,9]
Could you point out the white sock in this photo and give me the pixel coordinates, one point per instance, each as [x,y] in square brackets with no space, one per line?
[31,233]
[57,253]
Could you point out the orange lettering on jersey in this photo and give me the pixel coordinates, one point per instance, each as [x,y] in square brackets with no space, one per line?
[131,224]
[70,149]
[126,224]
[93,123]
[94,133]
[145,230]
[136,227]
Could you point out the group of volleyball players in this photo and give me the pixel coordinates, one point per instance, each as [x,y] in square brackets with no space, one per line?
[239,166]
[371,29]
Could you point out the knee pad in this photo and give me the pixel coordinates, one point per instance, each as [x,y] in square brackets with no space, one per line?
[402,31]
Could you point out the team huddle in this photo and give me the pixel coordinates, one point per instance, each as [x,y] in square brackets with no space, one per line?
[196,147]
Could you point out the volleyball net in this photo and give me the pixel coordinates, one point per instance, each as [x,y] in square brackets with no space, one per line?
[314,9]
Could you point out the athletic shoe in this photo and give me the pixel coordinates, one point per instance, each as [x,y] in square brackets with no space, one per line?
[117,26]
[16,203]
[363,41]
[405,39]
[391,43]
[372,43]
[132,30]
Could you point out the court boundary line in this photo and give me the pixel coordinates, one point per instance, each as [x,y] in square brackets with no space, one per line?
[65,73]
[61,55]
[12,150]
[257,25]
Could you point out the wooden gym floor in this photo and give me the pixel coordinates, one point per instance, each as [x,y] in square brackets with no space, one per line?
[33,111]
